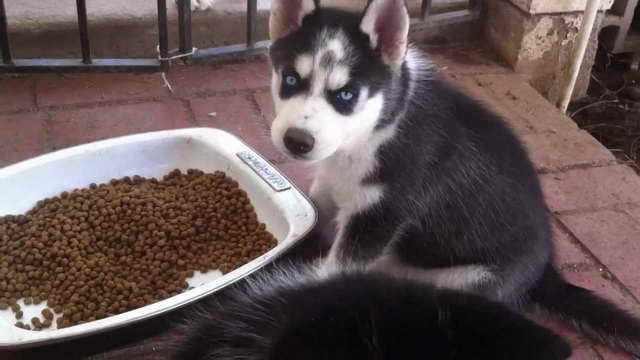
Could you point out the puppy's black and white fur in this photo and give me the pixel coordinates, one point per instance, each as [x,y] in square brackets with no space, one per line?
[361,316]
[423,182]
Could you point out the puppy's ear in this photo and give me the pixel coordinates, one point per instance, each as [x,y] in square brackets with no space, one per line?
[286,16]
[387,24]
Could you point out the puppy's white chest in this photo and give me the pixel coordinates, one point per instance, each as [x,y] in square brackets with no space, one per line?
[344,175]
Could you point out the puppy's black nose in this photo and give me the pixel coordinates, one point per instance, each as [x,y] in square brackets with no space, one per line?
[298,141]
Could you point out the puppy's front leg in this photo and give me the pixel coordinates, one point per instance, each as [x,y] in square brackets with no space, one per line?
[322,197]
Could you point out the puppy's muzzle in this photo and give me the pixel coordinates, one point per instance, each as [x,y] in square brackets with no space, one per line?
[298,141]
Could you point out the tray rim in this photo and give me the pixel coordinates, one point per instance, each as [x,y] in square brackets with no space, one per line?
[34,339]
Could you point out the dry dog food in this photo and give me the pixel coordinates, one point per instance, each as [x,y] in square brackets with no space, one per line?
[103,250]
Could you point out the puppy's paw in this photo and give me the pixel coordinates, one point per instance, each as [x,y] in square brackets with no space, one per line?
[200,4]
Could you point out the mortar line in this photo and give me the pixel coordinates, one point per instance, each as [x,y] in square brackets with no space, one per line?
[585,249]
[588,210]
[34,92]
[203,94]
[103,104]
[191,116]
[592,165]
[46,129]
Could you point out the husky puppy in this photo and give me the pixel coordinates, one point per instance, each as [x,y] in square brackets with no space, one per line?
[422,181]
[360,316]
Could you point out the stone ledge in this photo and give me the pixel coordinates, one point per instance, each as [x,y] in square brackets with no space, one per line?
[553,7]
[540,45]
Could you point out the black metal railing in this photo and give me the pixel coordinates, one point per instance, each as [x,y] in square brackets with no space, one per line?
[460,12]
[4,35]
[83,27]
[251,46]
[185,49]
[87,63]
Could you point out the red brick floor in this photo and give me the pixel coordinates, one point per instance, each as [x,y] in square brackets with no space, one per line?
[595,201]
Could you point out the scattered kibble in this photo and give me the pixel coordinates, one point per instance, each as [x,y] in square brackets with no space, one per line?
[47,314]
[36,322]
[109,248]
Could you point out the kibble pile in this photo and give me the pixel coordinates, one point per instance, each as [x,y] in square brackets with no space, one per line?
[110,248]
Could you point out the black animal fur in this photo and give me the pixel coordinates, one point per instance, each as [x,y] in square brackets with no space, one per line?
[361,317]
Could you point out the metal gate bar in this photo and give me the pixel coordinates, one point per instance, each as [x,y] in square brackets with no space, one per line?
[163,34]
[86,63]
[185,49]
[84,31]
[427,20]
[425,9]
[252,14]
[4,35]
[184,24]
[251,46]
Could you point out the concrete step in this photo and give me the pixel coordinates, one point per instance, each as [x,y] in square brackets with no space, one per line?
[128,28]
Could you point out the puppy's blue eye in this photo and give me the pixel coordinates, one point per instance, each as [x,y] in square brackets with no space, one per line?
[291,80]
[345,95]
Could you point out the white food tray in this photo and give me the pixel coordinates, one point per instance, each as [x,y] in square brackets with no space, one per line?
[287,212]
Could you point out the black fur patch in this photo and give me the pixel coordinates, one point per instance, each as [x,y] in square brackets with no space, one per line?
[364,317]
